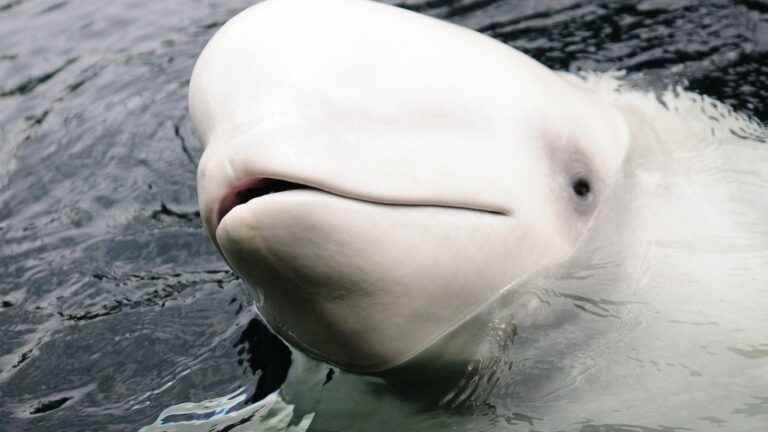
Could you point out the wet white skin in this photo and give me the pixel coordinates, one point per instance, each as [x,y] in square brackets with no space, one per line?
[442,167]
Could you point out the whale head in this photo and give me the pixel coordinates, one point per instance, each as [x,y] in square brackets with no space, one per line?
[377,176]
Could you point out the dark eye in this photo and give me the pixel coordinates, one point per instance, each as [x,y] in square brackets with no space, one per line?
[581,187]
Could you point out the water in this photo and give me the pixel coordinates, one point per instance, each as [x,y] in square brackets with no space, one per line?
[114,307]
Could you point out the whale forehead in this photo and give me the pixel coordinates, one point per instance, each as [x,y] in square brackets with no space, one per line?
[258,69]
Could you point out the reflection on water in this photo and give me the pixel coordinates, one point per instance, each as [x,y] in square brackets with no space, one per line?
[116,312]
[270,414]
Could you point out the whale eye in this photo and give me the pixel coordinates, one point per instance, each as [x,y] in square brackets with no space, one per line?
[581,187]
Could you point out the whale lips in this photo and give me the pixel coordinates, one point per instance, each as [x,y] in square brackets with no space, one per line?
[252,189]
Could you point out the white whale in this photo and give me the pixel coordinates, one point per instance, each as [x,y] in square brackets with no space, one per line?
[442,199]
[442,166]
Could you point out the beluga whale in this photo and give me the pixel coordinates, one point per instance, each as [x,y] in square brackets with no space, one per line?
[374,196]
[416,203]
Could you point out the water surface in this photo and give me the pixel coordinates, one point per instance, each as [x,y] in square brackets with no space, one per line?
[113,304]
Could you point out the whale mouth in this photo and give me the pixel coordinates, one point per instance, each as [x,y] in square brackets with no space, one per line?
[252,189]
[258,187]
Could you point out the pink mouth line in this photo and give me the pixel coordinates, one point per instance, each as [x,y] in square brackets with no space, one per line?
[251,189]
[257,187]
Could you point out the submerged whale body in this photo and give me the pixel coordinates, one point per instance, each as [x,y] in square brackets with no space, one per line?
[438,215]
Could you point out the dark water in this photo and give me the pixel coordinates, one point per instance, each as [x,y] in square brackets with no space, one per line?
[113,304]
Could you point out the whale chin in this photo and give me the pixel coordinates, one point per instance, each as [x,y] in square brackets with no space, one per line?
[359,284]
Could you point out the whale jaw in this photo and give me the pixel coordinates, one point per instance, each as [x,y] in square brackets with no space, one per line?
[365,285]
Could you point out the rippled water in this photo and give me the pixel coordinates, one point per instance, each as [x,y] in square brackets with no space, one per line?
[113,304]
